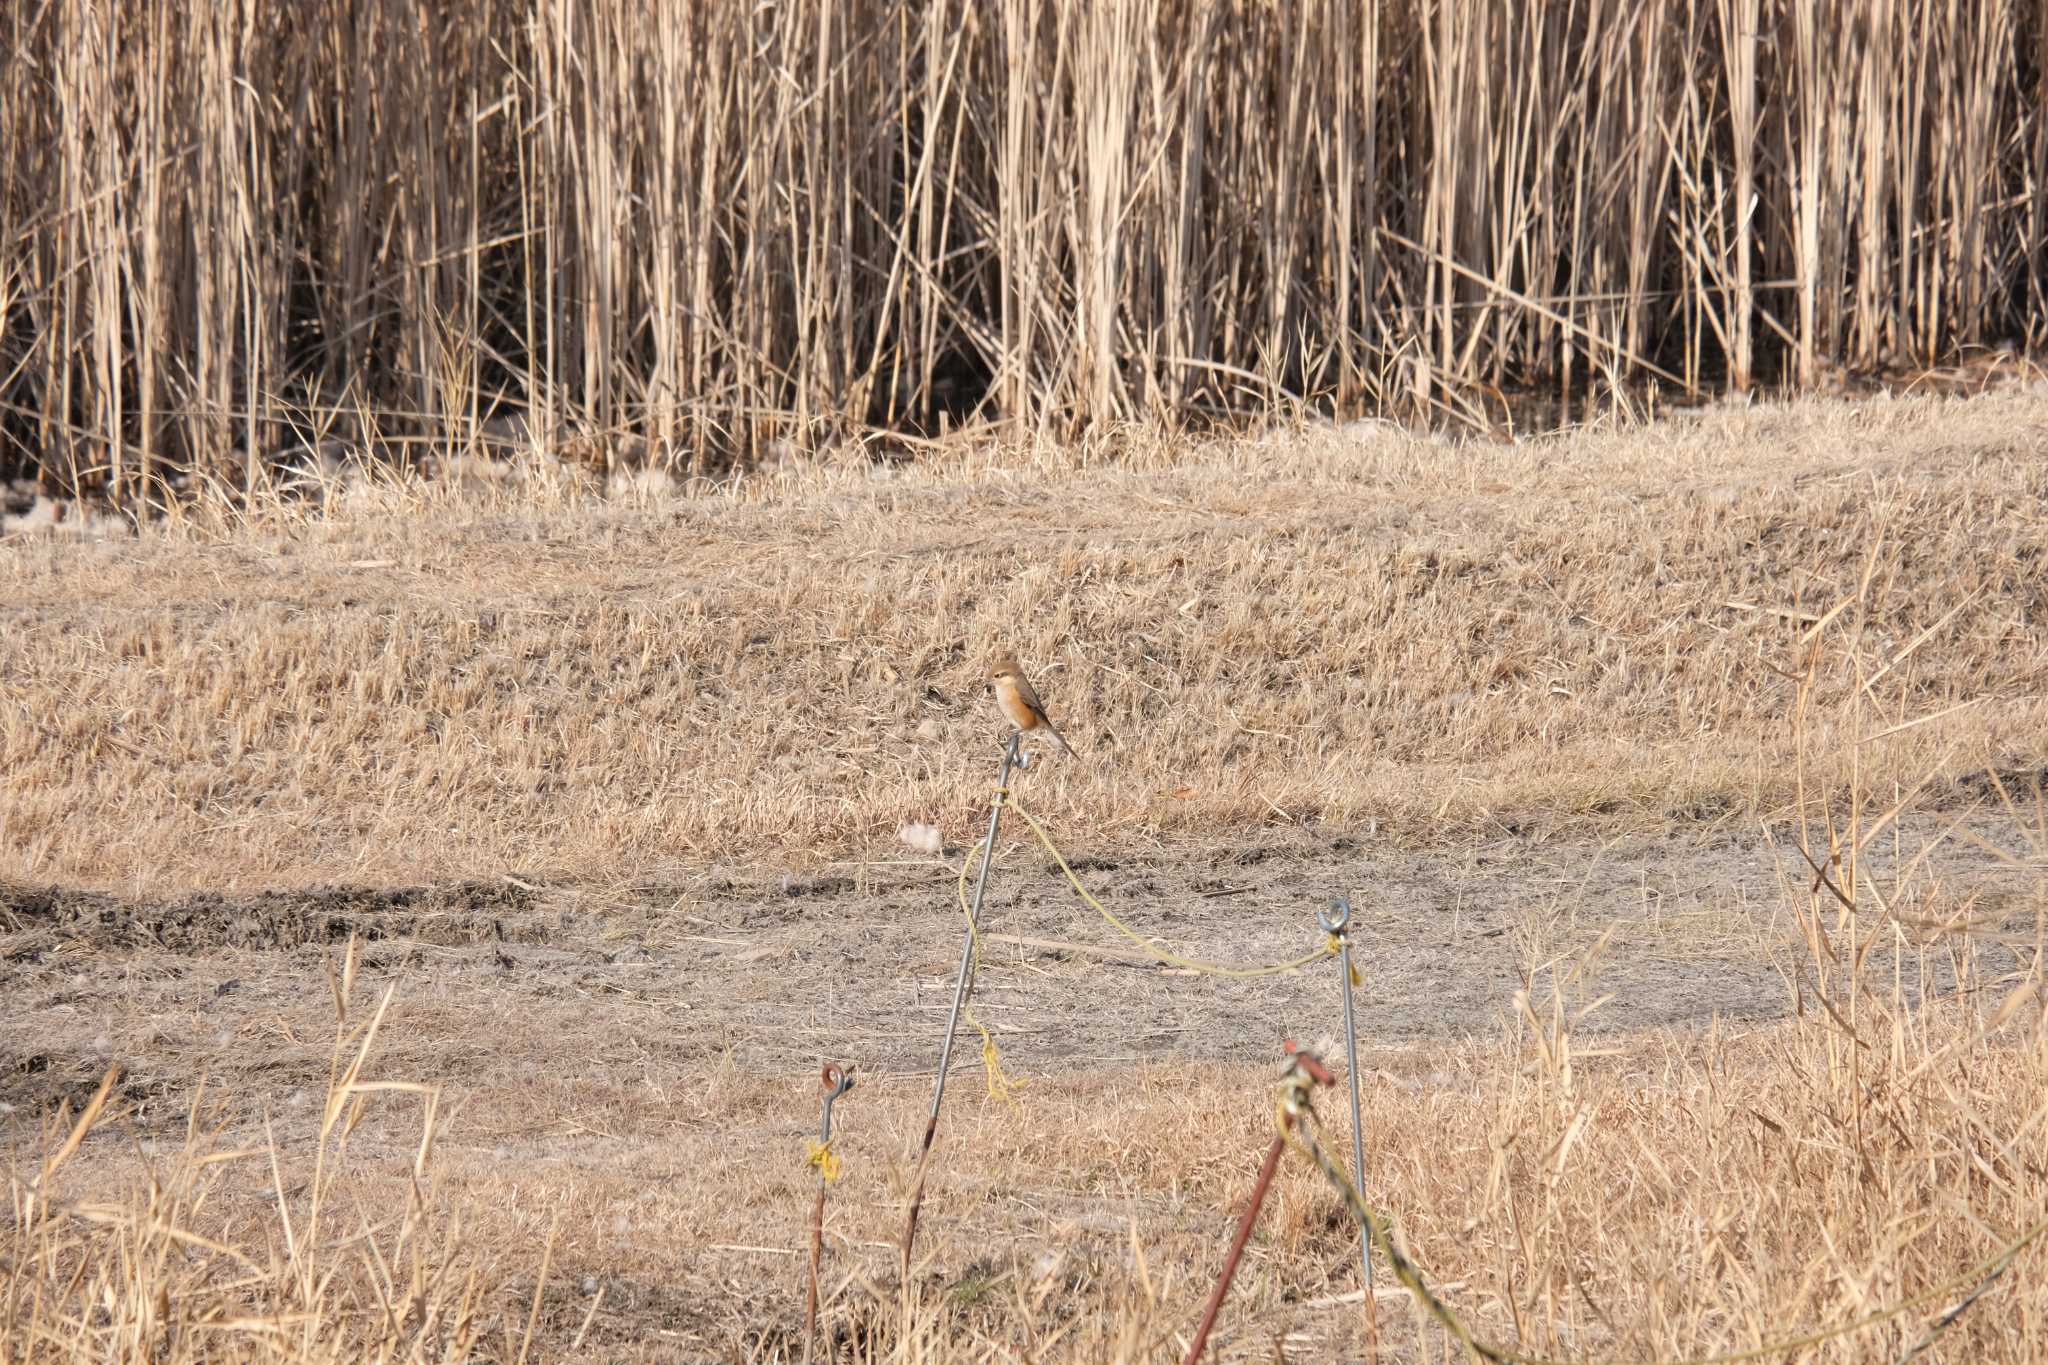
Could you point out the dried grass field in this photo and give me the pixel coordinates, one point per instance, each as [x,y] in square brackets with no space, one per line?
[462,886]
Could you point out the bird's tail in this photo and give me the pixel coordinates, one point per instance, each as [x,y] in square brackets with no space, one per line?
[1059,739]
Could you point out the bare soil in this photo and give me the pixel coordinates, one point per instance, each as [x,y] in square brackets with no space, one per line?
[857,964]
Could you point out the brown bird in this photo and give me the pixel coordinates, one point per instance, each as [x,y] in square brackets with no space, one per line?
[1019,701]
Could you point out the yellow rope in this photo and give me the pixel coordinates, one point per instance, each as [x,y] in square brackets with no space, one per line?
[1001,1084]
[1293,1104]
[1333,945]
[821,1156]
[1327,949]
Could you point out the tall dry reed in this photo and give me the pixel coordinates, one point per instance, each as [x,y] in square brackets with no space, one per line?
[692,229]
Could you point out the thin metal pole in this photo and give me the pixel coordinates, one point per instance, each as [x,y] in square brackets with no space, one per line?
[961,982]
[1338,922]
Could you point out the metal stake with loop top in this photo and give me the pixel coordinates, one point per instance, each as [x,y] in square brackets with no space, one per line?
[1303,1073]
[1336,924]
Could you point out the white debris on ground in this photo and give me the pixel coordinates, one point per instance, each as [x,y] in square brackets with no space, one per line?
[922,838]
[649,485]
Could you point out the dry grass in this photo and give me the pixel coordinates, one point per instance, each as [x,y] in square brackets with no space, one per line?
[706,228]
[205,1249]
[1375,633]
[590,688]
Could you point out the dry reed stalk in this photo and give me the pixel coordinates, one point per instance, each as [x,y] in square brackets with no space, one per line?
[687,232]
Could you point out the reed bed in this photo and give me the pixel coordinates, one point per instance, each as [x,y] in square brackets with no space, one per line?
[237,236]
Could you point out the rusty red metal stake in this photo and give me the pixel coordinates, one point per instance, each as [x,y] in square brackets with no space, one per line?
[836,1082]
[1237,1245]
[1303,1070]
[817,1254]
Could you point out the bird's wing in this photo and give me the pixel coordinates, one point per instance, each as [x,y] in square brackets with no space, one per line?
[1029,694]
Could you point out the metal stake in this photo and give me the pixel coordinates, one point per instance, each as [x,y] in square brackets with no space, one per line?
[1303,1073]
[961,983]
[837,1082]
[1336,922]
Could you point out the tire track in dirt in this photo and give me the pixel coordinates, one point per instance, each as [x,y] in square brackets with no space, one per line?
[465,912]
[773,971]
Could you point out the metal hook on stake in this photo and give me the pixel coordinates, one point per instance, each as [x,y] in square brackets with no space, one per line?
[837,1080]
[1336,922]
[1012,758]
[1338,917]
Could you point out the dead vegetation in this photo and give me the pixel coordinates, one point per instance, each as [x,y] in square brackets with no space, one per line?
[244,1248]
[323,251]
[1377,635]
[1863,1181]
[1814,619]
[235,243]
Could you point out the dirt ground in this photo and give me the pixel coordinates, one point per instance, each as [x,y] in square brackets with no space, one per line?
[857,965]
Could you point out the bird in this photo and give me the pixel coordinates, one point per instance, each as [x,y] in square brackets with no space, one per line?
[1019,701]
